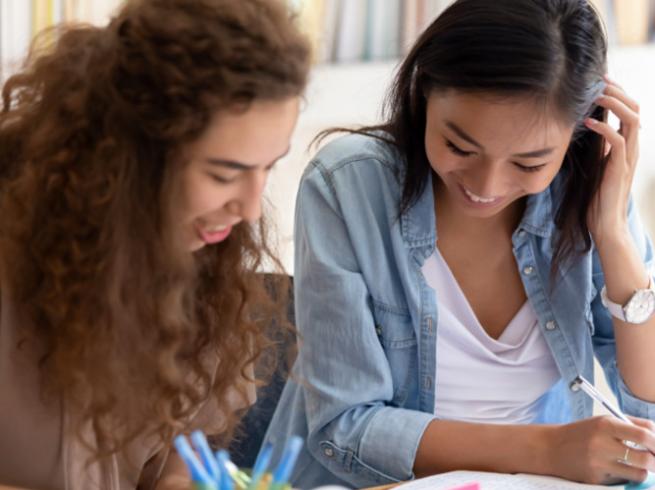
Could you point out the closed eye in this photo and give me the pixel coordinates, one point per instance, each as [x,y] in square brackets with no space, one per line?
[458,151]
[531,168]
[221,180]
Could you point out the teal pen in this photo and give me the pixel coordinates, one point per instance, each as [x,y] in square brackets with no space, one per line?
[202,446]
[199,475]
[261,465]
[287,462]
[225,481]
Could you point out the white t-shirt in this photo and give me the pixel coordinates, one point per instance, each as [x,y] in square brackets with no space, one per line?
[478,378]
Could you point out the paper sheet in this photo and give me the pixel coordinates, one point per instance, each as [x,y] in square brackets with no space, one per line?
[496,481]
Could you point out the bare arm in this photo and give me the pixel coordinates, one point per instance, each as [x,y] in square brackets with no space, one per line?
[588,450]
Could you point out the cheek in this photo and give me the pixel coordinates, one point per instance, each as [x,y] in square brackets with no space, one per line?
[441,158]
[534,184]
[204,196]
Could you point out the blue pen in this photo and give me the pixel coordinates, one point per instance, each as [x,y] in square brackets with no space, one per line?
[200,443]
[225,481]
[287,462]
[261,465]
[198,472]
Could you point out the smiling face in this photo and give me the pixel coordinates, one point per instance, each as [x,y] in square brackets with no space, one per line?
[228,166]
[490,152]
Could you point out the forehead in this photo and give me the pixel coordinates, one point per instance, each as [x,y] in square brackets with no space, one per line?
[503,124]
[256,134]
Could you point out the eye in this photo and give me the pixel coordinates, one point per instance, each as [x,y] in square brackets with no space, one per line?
[457,151]
[219,179]
[529,169]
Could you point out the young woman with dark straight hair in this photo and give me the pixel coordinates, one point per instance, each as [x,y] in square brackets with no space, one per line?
[458,266]
[132,163]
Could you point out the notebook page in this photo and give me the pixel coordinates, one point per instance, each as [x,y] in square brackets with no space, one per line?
[495,481]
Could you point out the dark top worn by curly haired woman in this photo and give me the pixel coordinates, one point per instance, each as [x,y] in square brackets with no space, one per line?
[132,162]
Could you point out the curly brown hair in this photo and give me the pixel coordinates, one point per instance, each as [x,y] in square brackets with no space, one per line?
[90,136]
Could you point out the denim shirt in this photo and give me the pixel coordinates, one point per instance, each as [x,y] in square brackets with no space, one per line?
[362,391]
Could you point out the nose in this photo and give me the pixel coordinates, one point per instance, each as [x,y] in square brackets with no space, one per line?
[489,179]
[247,204]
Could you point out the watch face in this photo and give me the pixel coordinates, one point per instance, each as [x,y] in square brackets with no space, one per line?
[640,307]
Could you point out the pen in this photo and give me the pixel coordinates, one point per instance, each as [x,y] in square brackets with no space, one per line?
[225,482]
[261,464]
[199,474]
[200,442]
[581,383]
[287,462]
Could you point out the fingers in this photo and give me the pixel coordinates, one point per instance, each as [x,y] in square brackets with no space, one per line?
[626,109]
[641,433]
[619,470]
[612,101]
[613,137]
[615,90]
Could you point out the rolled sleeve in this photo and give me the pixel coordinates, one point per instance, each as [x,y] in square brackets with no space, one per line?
[391,440]
[631,404]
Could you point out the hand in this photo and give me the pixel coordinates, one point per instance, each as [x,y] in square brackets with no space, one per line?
[609,210]
[593,450]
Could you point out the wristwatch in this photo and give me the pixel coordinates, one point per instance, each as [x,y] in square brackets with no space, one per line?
[639,308]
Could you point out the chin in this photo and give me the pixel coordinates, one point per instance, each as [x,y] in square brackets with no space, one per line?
[196,245]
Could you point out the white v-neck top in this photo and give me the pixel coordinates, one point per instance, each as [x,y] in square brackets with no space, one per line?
[478,378]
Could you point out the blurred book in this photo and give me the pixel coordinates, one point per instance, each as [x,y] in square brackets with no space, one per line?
[632,19]
[15,34]
[410,24]
[330,26]
[383,36]
[311,14]
[351,31]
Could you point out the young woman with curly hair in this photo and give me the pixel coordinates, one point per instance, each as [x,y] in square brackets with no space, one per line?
[132,163]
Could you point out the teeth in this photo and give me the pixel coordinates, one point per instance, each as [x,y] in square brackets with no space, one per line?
[479,199]
[216,229]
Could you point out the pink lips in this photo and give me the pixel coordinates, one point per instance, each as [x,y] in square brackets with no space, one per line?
[213,237]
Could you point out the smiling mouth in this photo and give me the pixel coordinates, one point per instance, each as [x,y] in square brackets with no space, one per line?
[216,229]
[478,199]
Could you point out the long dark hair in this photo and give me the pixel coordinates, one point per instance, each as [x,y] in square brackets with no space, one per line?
[551,51]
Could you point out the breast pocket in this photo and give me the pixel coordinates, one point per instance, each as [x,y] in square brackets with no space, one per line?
[396,333]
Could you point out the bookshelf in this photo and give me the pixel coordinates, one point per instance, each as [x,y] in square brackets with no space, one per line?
[345,31]
[21,20]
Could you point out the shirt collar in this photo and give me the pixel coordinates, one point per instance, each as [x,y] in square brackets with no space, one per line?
[418,223]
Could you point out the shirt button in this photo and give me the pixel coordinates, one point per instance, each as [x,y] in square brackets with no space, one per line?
[328,451]
[427,382]
[551,325]
[378,330]
[522,233]
[528,270]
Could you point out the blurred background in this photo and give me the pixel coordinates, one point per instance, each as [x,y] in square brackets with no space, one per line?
[357,46]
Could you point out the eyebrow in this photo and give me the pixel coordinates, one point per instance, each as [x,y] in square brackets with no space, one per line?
[530,154]
[235,165]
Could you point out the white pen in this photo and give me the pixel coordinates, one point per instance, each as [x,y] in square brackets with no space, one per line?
[581,383]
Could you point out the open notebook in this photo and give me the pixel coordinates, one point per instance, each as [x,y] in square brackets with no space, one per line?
[500,481]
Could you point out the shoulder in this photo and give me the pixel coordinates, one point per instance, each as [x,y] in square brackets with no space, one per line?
[354,152]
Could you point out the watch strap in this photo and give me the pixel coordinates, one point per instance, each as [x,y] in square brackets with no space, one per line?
[615,309]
